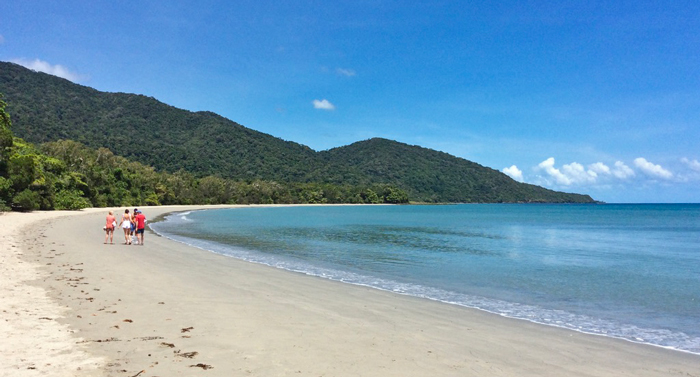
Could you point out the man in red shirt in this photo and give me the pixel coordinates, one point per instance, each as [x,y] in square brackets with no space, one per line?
[140,226]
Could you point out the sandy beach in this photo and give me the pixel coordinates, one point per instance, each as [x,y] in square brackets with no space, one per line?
[72,306]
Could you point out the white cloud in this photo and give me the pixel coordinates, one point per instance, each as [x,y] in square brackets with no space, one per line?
[599,168]
[548,166]
[622,171]
[514,173]
[323,104]
[578,174]
[651,169]
[601,177]
[2,39]
[693,165]
[42,66]
[345,72]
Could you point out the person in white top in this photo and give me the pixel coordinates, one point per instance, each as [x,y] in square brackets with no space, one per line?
[126,226]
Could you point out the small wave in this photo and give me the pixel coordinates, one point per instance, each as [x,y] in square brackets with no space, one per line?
[183,216]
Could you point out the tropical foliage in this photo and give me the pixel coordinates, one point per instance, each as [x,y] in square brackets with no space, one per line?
[68,175]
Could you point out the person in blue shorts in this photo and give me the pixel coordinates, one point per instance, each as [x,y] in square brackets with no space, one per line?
[132,233]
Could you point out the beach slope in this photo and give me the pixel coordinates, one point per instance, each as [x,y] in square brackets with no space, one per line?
[167,309]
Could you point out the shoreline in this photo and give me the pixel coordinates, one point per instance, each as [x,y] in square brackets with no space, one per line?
[361,280]
[129,304]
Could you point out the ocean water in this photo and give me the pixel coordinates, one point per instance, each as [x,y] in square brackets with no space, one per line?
[627,271]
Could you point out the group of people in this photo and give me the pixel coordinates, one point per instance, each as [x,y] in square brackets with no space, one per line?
[133,225]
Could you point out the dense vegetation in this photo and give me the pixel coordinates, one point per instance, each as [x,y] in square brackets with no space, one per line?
[203,145]
[68,175]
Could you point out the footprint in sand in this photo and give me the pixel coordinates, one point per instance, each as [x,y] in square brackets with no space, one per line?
[189,355]
[203,366]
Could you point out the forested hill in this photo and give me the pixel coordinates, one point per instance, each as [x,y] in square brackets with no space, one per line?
[47,108]
[430,175]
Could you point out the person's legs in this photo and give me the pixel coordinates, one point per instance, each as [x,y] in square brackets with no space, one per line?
[111,235]
[106,234]
[140,235]
[126,236]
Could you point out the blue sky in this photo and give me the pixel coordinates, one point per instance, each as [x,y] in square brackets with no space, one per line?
[591,97]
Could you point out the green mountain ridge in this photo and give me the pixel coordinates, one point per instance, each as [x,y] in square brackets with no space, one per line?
[433,175]
[47,108]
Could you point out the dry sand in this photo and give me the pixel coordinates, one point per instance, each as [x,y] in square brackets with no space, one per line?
[73,306]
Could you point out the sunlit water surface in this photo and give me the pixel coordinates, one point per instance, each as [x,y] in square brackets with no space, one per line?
[627,271]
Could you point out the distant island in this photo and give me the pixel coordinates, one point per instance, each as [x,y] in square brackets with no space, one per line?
[188,157]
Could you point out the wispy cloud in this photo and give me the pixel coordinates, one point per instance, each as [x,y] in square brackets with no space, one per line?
[692,164]
[2,39]
[651,169]
[56,70]
[692,171]
[346,72]
[514,173]
[323,104]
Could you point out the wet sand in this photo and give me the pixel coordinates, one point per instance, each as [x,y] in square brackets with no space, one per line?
[167,309]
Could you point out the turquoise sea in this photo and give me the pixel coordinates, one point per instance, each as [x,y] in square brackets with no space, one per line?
[629,271]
